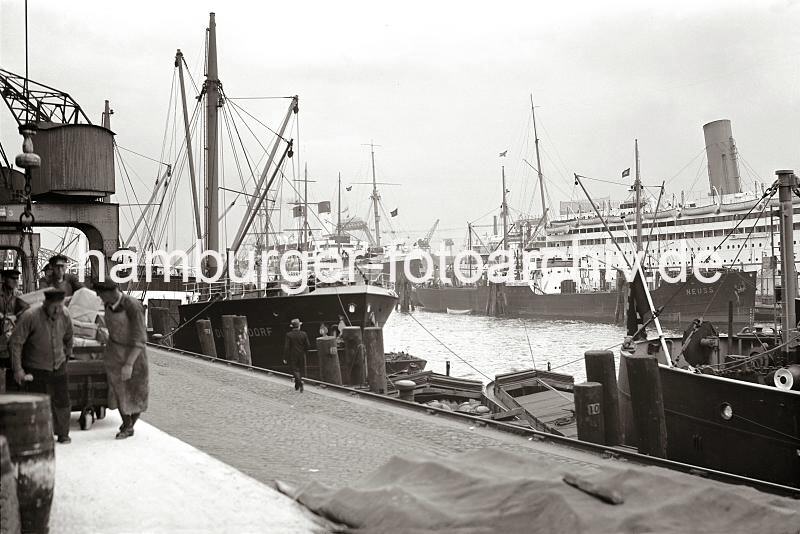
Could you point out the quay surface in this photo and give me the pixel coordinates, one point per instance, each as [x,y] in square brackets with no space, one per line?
[155,483]
[257,423]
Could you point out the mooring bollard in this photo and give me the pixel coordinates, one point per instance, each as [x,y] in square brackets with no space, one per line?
[447,367]
[353,367]
[329,369]
[647,404]
[406,389]
[589,412]
[242,337]
[600,368]
[229,337]
[206,336]
[376,359]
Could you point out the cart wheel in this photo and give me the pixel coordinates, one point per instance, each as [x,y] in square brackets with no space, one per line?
[85,420]
[100,412]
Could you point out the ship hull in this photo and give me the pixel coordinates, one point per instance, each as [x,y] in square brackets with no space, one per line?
[268,318]
[760,441]
[682,302]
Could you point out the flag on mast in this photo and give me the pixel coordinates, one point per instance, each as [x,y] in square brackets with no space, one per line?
[503,153]
[349,187]
[626,172]
[393,213]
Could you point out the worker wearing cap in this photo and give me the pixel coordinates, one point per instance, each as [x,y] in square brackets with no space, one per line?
[294,352]
[125,357]
[11,306]
[40,347]
[60,278]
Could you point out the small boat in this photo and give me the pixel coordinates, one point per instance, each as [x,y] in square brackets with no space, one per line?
[403,363]
[542,400]
[458,312]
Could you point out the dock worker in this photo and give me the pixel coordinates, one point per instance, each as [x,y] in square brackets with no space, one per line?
[294,352]
[125,356]
[60,278]
[40,347]
[11,307]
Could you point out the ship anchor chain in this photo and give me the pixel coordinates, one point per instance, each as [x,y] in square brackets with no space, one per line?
[28,160]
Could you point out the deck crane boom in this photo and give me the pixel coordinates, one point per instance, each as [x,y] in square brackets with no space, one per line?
[425,242]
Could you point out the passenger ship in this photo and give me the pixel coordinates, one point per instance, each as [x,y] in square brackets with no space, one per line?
[585,266]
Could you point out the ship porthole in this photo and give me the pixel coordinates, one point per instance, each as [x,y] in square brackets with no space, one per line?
[351,308]
[726,411]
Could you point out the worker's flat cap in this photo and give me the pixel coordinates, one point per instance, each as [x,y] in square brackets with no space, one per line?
[9,273]
[54,295]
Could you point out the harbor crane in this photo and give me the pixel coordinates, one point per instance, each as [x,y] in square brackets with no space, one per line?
[425,242]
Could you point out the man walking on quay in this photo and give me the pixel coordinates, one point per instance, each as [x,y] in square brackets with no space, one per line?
[11,307]
[40,347]
[125,356]
[60,278]
[294,352]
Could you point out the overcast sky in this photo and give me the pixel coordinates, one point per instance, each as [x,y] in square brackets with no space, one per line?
[444,87]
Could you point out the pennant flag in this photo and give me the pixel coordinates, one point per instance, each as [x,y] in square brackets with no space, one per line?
[503,153]
[324,206]
[393,213]
[349,187]
[626,172]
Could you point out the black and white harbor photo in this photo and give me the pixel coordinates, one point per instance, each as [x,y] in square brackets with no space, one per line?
[399,268]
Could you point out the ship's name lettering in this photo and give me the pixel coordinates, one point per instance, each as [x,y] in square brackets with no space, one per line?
[261,331]
[700,291]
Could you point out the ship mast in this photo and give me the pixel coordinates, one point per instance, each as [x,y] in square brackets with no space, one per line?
[637,185]
[305,207]
[787,182]
[539,166]
[212,90]
[339,218]
[375,199]
[504,209]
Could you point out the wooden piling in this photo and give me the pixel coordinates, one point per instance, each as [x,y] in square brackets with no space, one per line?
[376,359]
[160,318]
[589,412]
[647,404]
[353,366]
[229,337]
[330,371]
[600,368]
[242,337]
[206,336]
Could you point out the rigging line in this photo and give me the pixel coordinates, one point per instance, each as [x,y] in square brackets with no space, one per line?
[260,98]
[554,390]
[746,239]
[226,122]
[448,348]
[141,155]
[125,174]
[697,174]
[702,151]
[260,122]
[607,181]
[241,142]
[191,78]
[768,193]
[529,342]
